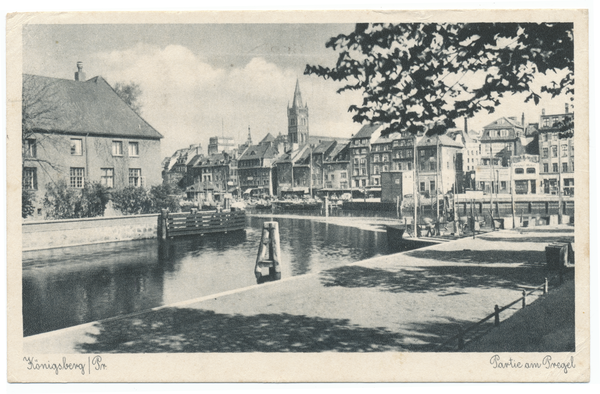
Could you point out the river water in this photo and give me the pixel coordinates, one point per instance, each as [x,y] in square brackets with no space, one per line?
[70,286]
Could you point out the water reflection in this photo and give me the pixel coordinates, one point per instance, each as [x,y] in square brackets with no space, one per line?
[75,285]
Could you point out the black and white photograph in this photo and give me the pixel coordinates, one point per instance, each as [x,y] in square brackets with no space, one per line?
[282,198]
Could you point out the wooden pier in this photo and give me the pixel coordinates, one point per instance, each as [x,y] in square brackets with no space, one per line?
[172,225]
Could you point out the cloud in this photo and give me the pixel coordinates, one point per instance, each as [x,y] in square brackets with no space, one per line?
[188,100]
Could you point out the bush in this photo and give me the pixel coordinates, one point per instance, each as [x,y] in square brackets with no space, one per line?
[27,203]
[64,202]
[132,200]
[60,201]
[164,197]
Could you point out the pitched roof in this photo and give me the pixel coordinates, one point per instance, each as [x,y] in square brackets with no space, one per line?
[503,122]
[323,146]
[444,140]
[263,151]
[90,107]
[268,138]
[366,131]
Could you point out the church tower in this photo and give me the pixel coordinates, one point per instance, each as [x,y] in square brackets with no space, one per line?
[298,119]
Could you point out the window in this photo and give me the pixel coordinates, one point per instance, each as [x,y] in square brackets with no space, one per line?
[554,151]
[76,147]
[30,178]
[117,148]
[531,170]
[545,167]
[563,149]
[422,187]
[76,177]
[565,167]
[502,185]
[135,177]
[292,122]
[545,153]
[385,157]
[376,158]
[30,149]
[519,171]
[432,186]
[343,175]
[134,149]
[554,167]
[432,165]
[385,168]
[107,177]
[363,182]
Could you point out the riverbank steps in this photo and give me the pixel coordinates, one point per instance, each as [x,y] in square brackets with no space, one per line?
[410,301]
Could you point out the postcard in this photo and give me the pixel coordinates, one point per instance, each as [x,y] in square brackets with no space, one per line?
[298,196]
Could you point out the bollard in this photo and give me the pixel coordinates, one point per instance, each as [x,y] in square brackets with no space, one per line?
[161,228]
[269,253]
[496,316]
[524,299]
[545,285]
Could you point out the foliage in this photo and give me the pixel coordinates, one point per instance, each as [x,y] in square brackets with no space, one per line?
[64,202]
[130,93]
[94,198]
[27,202]
[61,201]
[132,200]
[411,75]
[164,197]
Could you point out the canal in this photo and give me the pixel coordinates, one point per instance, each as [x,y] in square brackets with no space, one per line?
[75,285]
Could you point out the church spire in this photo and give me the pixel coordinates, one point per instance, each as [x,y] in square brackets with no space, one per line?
[297,103]
[249,142]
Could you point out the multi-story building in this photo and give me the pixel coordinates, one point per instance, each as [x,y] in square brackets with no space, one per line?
[437,163]
[213,176]
[360,152]
[337,170]
[381,160]
[403,151]
[255,170]
[176,166]
[557,155]
[81,131]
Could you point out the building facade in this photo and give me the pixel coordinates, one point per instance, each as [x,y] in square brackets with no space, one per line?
[81,132]
[557,155]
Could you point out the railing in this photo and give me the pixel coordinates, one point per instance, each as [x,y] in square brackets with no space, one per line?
[199,222]
[458,340]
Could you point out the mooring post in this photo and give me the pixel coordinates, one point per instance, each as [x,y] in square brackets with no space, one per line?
[269,253]
[398,206]
[524,299]
[545,285]
[161,228]
[496,315]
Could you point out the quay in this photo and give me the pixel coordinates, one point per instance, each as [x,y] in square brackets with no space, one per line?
[410,301]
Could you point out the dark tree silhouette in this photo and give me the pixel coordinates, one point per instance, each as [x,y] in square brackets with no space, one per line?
[130,93]
[412,75]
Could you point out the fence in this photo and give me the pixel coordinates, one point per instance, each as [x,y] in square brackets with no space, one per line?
[458,340]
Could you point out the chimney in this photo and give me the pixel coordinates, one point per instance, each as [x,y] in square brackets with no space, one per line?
[523,119]
[566,108]
[80,75]
[466,126]
[543,111]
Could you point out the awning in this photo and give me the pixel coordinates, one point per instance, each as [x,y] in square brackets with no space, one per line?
[248,191]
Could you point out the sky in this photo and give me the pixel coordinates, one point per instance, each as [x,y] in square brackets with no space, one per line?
[205,80]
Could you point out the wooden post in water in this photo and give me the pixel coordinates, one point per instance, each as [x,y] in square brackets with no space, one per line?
[269,253]
[161,226]
[545,285]
[524,299]
[398,207]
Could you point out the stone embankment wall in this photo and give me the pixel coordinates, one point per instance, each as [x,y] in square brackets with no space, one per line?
[70,232]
